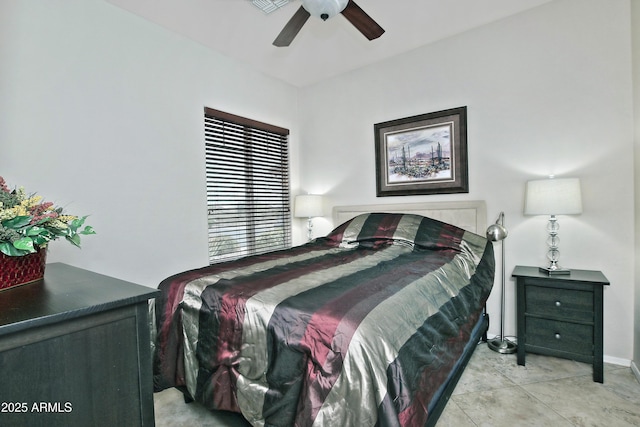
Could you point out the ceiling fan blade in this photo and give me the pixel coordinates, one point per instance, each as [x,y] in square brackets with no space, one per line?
[363,22]
[292,28]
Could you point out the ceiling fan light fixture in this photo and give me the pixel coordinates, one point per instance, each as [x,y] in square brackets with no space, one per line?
[324,9]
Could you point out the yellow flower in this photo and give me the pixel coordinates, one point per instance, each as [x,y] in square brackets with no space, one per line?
[56,223]
[31,202]
[20,210]
[20,193]
[8,213]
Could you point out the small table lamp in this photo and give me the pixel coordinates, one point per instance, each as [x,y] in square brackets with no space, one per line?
[308,206]
[553,197]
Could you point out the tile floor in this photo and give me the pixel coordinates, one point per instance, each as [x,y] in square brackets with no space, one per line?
[493,391]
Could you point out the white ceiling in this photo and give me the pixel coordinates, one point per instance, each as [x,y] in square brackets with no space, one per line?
[241,31]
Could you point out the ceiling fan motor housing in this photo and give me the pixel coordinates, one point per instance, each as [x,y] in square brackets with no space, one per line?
[324,9]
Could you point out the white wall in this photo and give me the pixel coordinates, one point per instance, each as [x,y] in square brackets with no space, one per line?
[548,92]
[635,20]
[102,112]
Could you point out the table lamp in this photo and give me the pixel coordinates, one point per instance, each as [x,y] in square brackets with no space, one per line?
[308,206]
[553,197]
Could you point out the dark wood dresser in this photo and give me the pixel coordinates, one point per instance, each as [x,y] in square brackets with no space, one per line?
[561,315]
[75,350]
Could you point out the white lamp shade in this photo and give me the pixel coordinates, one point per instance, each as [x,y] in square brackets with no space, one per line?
[553,197]
[308,206]
[330,8]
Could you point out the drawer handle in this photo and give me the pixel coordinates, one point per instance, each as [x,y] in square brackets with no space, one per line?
[558,303]
[557,335]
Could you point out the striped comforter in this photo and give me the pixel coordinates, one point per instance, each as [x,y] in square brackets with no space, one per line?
[359,328]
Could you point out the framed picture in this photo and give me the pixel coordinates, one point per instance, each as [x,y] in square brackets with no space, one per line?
[425,154]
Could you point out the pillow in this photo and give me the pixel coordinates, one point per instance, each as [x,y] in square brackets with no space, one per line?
[374,229]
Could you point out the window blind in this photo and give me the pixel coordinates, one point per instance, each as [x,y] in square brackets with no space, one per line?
[247,172]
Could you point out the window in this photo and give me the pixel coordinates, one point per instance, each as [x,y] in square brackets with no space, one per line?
[247,168]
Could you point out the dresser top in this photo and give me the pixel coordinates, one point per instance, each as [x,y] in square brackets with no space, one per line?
[590,276]
[66,292]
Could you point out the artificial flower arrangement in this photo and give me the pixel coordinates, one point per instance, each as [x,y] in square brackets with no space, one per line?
[28,224]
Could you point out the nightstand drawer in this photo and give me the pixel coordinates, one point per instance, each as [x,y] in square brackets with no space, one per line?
[566,304]
[563,336]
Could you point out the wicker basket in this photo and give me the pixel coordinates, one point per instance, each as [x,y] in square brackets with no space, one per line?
[20,270]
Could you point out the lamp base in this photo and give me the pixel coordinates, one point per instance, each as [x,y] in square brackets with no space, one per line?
[554,271]
[502,346]
[309,230]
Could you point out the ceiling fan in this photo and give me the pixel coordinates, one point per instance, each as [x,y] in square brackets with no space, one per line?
[325,9]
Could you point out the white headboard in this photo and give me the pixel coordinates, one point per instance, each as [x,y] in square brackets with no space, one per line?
[469,215]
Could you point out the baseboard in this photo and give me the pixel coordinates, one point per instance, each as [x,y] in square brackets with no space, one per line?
[617,361]
[607,359]
[635,370]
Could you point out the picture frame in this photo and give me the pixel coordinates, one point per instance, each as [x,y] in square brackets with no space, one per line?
[423,154]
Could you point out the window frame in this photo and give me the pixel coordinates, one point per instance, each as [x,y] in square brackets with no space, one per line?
[254,156]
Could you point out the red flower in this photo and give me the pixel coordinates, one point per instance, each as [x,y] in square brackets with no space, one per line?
[3,185]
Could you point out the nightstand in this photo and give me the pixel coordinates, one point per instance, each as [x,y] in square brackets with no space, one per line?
[561,315]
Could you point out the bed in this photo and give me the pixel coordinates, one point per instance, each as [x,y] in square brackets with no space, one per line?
[372,324]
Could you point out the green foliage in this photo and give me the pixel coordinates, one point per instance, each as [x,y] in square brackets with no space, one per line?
[27,224]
